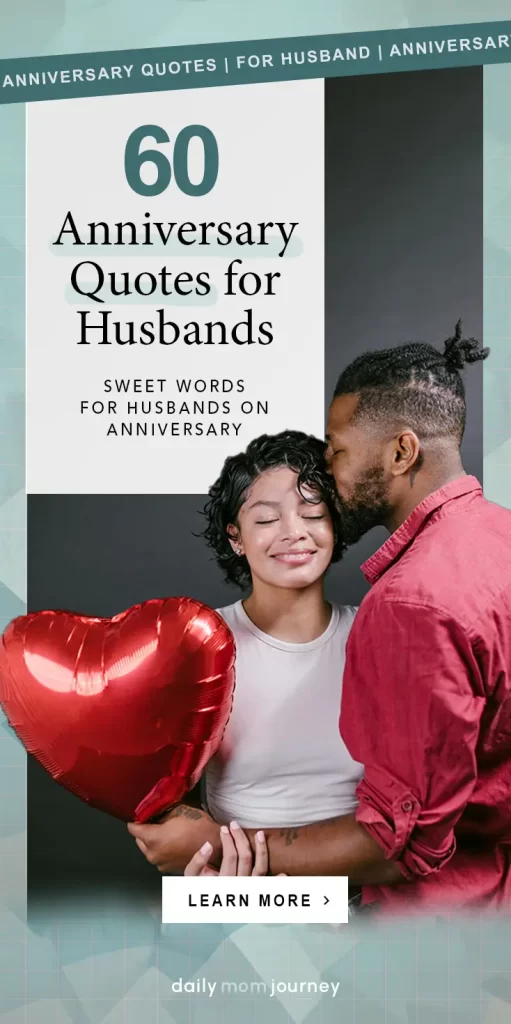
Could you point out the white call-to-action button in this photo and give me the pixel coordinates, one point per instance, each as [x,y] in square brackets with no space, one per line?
[254,900]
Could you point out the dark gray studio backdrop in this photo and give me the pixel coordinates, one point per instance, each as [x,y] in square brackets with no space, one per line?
[403,262]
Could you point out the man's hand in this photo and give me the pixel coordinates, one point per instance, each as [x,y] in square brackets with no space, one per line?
[171,844]
[237,856]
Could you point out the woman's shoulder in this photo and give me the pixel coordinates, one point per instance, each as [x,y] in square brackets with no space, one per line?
[229,612]
[345,615]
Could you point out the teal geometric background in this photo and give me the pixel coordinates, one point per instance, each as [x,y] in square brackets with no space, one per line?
[114,965]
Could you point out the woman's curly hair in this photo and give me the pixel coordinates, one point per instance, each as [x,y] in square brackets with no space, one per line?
[291,448]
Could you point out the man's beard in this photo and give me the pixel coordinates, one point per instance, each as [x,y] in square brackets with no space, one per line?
[367,507]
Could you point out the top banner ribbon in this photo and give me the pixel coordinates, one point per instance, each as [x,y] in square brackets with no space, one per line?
[73,76]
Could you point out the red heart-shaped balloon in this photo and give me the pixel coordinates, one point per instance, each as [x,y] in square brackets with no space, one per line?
[124,712]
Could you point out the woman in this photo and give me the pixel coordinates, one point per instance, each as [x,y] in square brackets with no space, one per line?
[271,525]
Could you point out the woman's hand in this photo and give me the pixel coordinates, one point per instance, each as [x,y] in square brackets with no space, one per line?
[237,856]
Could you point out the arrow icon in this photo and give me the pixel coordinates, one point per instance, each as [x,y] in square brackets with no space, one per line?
[326,900]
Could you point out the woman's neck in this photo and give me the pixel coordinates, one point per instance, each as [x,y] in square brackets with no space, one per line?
[293,616]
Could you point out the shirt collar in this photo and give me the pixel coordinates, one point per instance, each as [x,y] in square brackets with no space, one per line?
[406,533]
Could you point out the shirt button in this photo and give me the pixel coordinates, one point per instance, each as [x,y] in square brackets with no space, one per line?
[407,806]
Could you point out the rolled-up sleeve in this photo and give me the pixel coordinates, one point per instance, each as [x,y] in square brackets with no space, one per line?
[411,708]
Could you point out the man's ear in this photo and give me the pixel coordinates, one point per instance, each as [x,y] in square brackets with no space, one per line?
[406,454]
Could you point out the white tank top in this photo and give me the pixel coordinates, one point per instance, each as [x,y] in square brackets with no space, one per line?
[282,761]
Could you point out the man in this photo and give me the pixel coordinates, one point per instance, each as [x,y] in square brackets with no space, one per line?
[427,687]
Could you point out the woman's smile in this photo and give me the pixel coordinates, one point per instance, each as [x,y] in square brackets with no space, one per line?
[294,557]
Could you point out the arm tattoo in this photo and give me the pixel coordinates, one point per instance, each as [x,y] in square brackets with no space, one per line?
[290,834]
[182,810]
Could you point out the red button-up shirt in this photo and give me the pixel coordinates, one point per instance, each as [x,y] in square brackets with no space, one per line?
[426,704]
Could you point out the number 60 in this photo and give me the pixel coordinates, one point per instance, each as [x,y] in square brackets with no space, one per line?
[135,158]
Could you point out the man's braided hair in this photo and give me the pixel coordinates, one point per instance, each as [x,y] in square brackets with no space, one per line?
[414,385]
